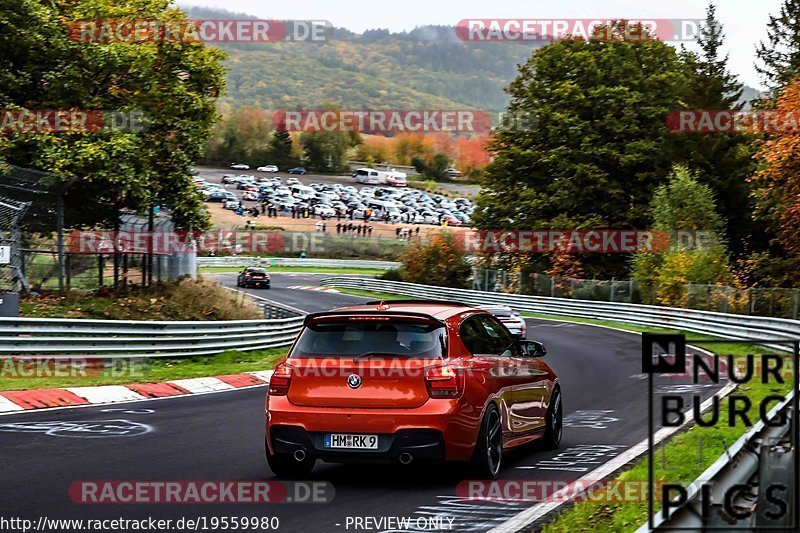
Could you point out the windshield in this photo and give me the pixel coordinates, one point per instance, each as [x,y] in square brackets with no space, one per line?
[349,339]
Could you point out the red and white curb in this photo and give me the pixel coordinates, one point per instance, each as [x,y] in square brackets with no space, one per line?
[312,288]
[16,401]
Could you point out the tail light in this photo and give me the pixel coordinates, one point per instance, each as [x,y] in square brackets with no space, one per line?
[280,380]
[444,382]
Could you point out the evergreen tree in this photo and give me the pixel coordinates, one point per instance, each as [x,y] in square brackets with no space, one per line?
[280,147]
[780,55]
[724,161]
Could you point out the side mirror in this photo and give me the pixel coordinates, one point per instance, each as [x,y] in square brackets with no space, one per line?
[533,349]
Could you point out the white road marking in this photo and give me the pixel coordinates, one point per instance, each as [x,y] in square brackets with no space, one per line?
[263,375]
[106,394]
[7,406]
[195,385]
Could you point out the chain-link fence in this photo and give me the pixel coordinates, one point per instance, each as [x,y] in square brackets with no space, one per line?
[11,274]
[781,303]
[92,271]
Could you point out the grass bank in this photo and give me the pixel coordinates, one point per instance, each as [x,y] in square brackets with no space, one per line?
[188,299]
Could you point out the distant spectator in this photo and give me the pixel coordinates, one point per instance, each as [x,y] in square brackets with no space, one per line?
[338,228]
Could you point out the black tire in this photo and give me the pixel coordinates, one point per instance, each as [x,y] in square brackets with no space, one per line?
[487,459]
[285,466]
[555,427]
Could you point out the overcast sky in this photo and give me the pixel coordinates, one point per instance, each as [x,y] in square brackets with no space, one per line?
[744,20]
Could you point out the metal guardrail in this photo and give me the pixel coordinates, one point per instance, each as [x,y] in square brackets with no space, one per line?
[721,325]
[34,337]
[243,261]
[765,454]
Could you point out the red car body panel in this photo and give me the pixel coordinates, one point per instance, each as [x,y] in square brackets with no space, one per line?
[321,402]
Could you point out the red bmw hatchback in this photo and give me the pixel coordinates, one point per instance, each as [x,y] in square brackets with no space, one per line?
[407,381]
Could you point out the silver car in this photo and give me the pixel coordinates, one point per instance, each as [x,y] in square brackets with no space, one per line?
[510,318]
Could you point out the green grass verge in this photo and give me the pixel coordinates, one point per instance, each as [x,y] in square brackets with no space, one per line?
[370,294]
[300,269]
[146,371]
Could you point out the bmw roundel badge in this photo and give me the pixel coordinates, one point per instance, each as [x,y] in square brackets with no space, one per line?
[354,381]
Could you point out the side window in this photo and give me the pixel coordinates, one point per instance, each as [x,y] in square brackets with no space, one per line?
[474,337]
[503,343]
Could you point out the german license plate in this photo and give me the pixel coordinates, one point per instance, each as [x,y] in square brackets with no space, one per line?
[350,441]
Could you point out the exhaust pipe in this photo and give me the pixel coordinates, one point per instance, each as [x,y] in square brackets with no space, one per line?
[299,455]
[406,458]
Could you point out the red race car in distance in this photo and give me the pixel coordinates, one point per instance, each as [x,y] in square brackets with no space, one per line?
[405,381]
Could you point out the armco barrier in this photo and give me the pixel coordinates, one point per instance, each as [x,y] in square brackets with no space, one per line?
[718,324]
[243,261]
[33,337]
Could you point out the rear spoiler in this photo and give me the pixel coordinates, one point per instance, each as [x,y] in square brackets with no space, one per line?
[314,317]
[419,301]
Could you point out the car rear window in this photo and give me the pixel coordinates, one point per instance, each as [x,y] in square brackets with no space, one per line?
[349,339]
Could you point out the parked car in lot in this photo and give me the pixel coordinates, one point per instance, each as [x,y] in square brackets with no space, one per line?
[268,168]
[253,277]
[231,205]
[453,173]
[240,166]
[463,389]
[297,170]
[229,178]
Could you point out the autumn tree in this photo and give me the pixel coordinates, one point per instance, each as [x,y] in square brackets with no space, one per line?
[440,261]
[778,191]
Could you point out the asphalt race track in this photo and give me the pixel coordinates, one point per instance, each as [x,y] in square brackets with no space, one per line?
[220,437]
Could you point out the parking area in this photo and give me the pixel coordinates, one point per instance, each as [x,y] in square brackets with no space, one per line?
[328,198]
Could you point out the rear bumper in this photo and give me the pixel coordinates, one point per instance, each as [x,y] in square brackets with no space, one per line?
[422,444]
[441,429]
